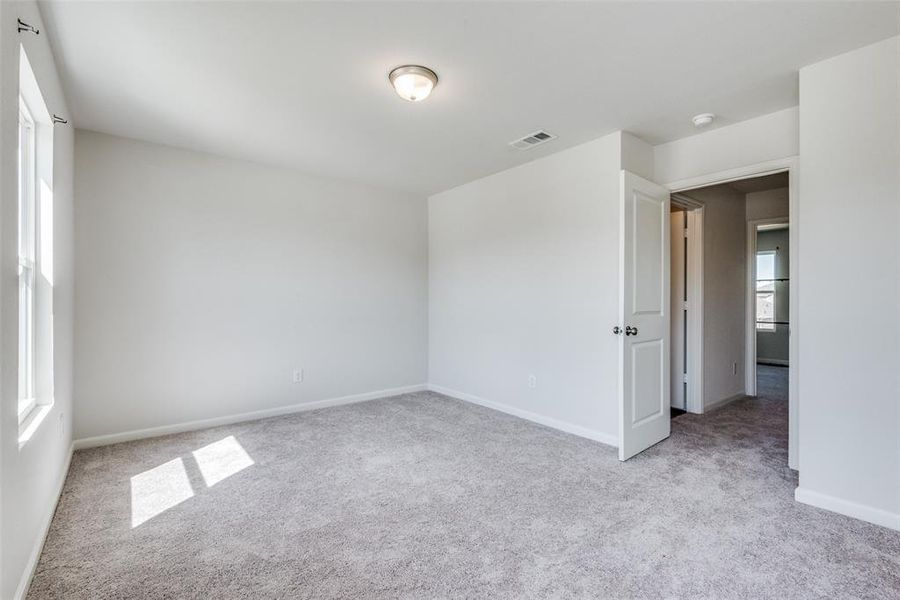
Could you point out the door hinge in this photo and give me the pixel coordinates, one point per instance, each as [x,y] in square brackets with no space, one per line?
[685,233]
[685,305]
[684,378]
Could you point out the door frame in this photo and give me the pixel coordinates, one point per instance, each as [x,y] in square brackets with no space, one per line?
[694,211]
[790,165]
[750,352]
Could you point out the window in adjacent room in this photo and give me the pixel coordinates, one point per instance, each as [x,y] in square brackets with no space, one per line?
[765,290]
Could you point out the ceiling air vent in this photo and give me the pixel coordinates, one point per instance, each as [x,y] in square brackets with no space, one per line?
[533,139]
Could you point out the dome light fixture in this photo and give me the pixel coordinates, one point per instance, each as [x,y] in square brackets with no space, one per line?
[413,82]
[703,120]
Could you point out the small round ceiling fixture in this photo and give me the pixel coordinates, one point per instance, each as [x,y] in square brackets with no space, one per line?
[413,82]
[702,120]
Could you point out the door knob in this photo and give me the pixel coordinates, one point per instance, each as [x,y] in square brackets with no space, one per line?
[629,330]
[617,330]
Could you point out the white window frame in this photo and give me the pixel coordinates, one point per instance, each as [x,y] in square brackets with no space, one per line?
[761,326]
[26,251]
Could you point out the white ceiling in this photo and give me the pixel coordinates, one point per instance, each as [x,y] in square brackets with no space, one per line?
[305,84]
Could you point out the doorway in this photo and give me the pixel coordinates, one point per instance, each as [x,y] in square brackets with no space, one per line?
[679,310]
[735,359]
[769,300]
[714,367]
[686,308]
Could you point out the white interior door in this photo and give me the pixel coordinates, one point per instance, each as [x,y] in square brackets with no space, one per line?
[644,416]
[678,279]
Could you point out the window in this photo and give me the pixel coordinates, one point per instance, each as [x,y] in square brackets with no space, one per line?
[765,290]
[34,204]
[26,256]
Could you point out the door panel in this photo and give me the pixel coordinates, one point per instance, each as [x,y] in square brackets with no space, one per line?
[647,252]
[644,390]
[647,389]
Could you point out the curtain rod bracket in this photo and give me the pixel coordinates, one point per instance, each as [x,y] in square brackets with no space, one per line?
[59,120]
[23,26]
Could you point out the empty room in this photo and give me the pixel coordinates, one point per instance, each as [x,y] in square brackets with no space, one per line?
[449,300]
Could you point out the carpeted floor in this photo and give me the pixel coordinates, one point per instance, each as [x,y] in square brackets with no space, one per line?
[421,496]
[772,382]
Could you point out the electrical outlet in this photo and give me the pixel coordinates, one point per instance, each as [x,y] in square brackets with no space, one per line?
[532,381]
[298,375]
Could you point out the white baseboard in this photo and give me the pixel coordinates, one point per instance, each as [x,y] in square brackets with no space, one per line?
[846,507]
[591,434]
[708,406]
[138,434]
[31,565]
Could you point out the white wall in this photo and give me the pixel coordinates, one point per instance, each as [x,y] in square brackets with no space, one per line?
[31,476]
[849,209]
[204,282]
[523,280]
[749,142]
[724,292]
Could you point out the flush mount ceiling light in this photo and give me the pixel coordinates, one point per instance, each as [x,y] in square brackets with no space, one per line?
[703,120]
[413,82]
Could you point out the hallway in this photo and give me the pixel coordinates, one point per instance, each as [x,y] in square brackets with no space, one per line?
[772,382]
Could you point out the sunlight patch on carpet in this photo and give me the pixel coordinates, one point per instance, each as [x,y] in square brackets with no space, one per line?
[157,490]
[221,460]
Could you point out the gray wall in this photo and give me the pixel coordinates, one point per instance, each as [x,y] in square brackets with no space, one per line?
[724,296]
[774,345]
[768,204]
[203,282]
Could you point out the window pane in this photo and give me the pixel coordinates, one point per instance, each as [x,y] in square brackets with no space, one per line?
[26,333]
[765,310]
[765,290]
[765,265]
[26,234]
[24,168]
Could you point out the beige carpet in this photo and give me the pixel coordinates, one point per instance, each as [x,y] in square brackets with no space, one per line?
[421,496]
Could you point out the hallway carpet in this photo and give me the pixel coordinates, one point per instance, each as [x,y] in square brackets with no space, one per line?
[772,382]
[421,496]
